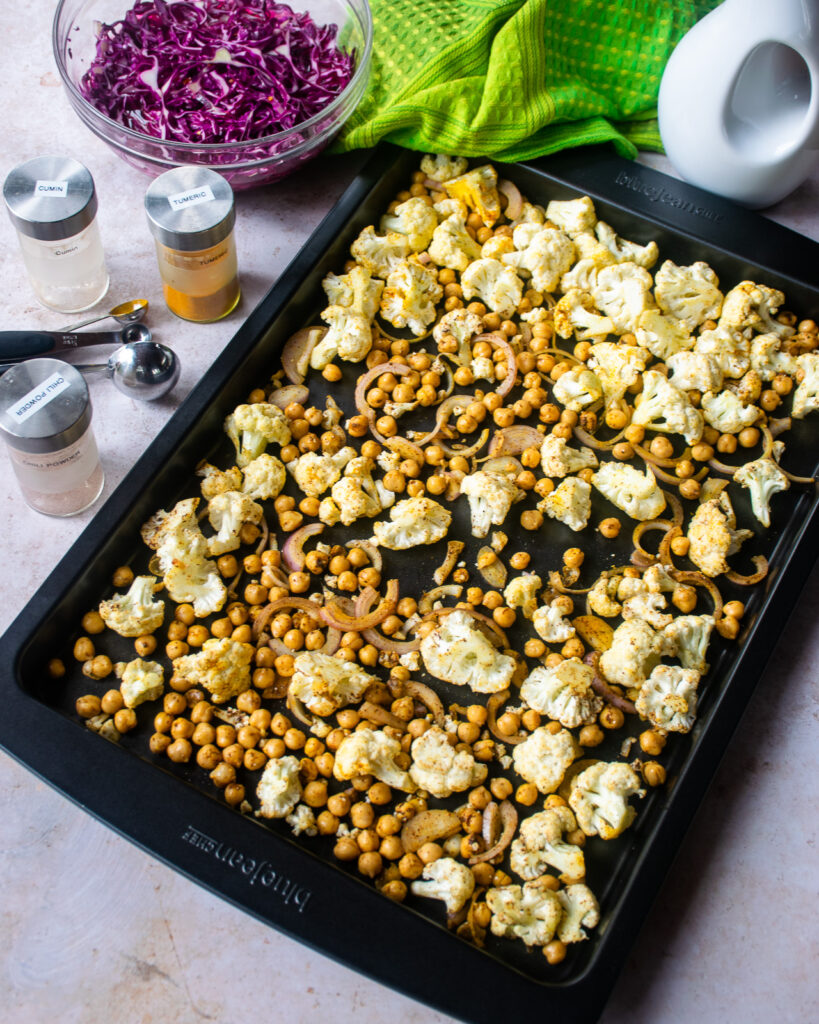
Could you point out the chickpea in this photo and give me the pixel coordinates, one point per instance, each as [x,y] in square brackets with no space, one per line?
[555,951]
[611,717]
[87,706]
[180,751]
[346,849]
[125,720]
[654,773]
[728,627]
[609,527]
[84,649]
[684,598]
[652,742]
[531,519]
[591,736]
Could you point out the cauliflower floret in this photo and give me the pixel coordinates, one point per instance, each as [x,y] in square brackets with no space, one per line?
[668,698]
[763,478]
[222,666]
[447,880]
[490,497]
[356,495]
[452,246]
[635,650]
[413,521]
[577,388]
[564,693]
[592,256]
[691,294]
[140,681]
[768,359]
[302,819]
[730,349]
[806,396]
[575,314]
[324,683]
[496,247]
[574,216]
[544,254]
[314,473]
[478,188]
[462,325]
[580,909]
[134,613]
[599,798]
[642,603]
[539,846]
[617,367]
[755,306]
[695,371]
[686,638]
[370,752]
[442,168]
[264,477]
[622,292]
[456,651]
[666,409]
[494,284]
[227,512]
[624,251]
[522,592]
[252,428]
[602,596]
[635,493]
[727,414]
[551,623]
[530,912]
[451,208]
[712,535]
[410,296]
[557,459]
[663,336]
[439,768]
[414,219]
[279,788]
[354,300]
[215,481]
[380,254]
[544,756]
[569,503]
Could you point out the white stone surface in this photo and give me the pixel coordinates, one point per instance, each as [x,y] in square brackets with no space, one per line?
[94,930]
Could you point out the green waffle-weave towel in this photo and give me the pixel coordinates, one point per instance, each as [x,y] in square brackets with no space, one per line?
[514,79]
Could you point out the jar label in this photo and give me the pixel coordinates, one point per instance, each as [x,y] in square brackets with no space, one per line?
[53,189]
[191,197]
[38,397]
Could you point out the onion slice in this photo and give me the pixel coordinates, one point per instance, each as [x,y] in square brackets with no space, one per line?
[453,550]
[592,442]
[515,440]
[514,205]
[468,452]
[292,553]
[492,705]
[761,564]
[364,381]
[509,820]
[500,340]
[297,351]
[699,579]
[334,615]
[380,716]
[262,620]
[282,397]
[428,697]
[601,687]
[425,605]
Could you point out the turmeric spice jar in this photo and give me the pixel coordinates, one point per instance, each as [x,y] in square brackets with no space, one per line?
[191,216]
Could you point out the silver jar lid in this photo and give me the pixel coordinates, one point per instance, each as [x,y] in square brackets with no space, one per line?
[190,208]
[44,405]
[50,197]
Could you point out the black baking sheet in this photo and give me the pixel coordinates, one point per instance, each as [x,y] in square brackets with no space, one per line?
[294,884]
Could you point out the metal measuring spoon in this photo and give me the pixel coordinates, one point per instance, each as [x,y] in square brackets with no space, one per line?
[141,369]
[125,313]
[18,345]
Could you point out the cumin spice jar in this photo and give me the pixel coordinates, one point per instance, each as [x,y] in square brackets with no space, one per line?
[191,215]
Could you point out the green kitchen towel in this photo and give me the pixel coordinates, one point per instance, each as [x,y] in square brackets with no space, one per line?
[513,79]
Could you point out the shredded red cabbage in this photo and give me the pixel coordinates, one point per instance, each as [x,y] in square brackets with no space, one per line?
[214,71]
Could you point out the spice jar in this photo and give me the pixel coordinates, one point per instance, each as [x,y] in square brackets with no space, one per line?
[45,420]
[52,203]
[191,216]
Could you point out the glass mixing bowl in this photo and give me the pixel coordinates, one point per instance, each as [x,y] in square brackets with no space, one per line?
[244,164]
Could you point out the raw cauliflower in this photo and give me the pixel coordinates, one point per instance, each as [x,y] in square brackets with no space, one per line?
[564,693]
[691,294]
[663,336]
[806,396]
[557,459]
[324,683]
[227,513]
[530,912]
[222,667]
[634,652]
[371,752]
[140,681]
[539,845]
[712,535]
[599,798]
[495,284]
[380,254]
[544,756]
[134,613]
[490,497]
[574,216]
[551,623]
[252,428]
[577,388]
[668,698]
[264,477]
[356,495]
[624,251]
[580,910]
[448,880]
[622,292]
[279,788]
[635,493]
[314,473]
[456,651]
[410,296]
[522,592]
[569,503]
[576,315]
[414,219]
[477,188]
[439,768]
[763,478]
[686,638]
[727,414]
[439,167]
[413,521]
[543,254]
[754,306]
[666,409]
[452,246]
[695,371]
[617,367]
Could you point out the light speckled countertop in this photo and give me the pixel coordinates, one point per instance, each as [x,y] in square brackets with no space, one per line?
[96,931]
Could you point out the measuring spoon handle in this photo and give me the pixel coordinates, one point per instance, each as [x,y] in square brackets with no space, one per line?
[16,345]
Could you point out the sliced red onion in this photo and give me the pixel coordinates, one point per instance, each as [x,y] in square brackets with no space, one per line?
[292,551]
[282,397]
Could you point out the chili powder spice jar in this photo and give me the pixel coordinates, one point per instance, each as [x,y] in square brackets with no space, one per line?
[45,420]
[191,215]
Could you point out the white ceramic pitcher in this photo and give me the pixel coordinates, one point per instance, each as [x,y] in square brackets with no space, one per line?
[739,99]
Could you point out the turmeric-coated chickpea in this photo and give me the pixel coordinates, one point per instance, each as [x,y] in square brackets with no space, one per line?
[182,729]
[654,773]
[87,706]
[591,736]
[84,649]
[652,742]
[315,793]
[346,849]
[429,852]
[180,751]
[234,793]
[370,864]
[159,743]
[555,951]
[362,814]
[223,774]
[728,627]
[125,720]
[92,622]
[611,717]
